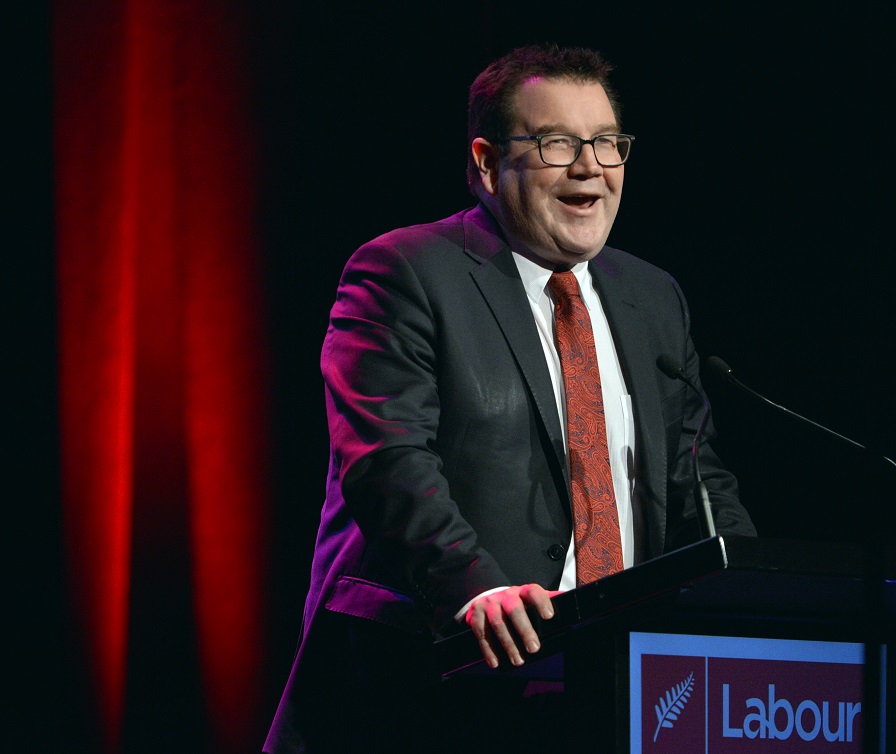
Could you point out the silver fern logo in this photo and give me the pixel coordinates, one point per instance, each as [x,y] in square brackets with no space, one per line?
[669,707]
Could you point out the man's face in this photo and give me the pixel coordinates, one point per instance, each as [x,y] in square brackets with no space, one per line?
[556,215]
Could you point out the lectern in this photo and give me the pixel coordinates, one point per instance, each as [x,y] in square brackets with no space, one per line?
[732,644]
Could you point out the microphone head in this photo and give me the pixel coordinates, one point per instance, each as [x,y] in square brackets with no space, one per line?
[668,366]
[719,367]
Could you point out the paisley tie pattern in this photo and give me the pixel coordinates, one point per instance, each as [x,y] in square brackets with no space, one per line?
[598,544]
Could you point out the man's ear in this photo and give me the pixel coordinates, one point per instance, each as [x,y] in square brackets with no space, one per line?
[485,155]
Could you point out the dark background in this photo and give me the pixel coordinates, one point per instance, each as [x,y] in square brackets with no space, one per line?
[757,180]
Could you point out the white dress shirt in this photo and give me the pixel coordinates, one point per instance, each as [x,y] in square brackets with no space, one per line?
[617,401]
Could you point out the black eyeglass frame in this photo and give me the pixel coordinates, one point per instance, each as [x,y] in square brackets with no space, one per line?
[538,137]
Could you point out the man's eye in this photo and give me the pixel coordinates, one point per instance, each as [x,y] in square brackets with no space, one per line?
[558,143]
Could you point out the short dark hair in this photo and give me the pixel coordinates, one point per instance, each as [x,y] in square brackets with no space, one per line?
[490,109]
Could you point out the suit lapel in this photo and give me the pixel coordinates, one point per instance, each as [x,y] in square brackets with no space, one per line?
[499,282]
[626,315]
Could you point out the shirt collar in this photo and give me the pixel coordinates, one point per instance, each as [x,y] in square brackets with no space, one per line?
[535,277]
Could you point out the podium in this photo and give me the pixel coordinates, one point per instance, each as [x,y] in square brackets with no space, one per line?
[722,646]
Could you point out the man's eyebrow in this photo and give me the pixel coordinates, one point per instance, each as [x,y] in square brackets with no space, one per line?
[553,128]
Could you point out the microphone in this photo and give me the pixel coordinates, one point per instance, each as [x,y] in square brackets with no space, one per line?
[670,368]
[719,367]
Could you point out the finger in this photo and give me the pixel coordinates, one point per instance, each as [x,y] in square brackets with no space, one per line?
[475,619]
[497,620]
[540,598]
[519,618]
[488,652]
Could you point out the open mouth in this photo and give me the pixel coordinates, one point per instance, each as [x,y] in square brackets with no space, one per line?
[578,200]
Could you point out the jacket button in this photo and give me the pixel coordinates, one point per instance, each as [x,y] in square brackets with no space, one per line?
[556,552]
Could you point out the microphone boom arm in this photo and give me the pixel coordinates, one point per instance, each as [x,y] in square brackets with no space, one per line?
[721,368]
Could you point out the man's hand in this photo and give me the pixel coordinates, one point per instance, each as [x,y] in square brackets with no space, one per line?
[500,619]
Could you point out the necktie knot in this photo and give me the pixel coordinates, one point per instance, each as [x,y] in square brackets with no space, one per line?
[564,284]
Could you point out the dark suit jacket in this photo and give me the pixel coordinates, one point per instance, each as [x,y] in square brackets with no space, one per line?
[447,472]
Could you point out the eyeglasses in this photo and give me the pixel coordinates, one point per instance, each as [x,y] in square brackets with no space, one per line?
[560,150]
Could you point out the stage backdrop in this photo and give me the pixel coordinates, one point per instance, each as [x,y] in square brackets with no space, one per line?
[197,238]
[163,372]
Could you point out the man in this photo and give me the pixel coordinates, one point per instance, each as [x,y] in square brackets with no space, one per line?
[453,471]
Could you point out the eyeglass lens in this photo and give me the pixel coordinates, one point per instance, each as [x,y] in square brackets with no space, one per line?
[563,149]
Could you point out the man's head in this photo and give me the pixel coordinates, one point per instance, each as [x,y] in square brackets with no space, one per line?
[557,215]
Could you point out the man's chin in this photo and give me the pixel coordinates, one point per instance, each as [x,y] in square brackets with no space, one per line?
[575,255]
[554,255]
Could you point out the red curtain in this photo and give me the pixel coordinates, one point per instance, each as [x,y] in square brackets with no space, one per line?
[164,369]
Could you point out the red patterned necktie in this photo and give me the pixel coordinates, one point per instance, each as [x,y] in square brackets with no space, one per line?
[598,544]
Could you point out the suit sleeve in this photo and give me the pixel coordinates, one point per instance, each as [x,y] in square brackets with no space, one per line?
[380,374]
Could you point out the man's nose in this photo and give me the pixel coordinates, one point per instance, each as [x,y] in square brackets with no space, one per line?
[587,161]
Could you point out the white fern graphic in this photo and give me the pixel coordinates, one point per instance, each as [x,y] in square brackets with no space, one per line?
[671,705]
